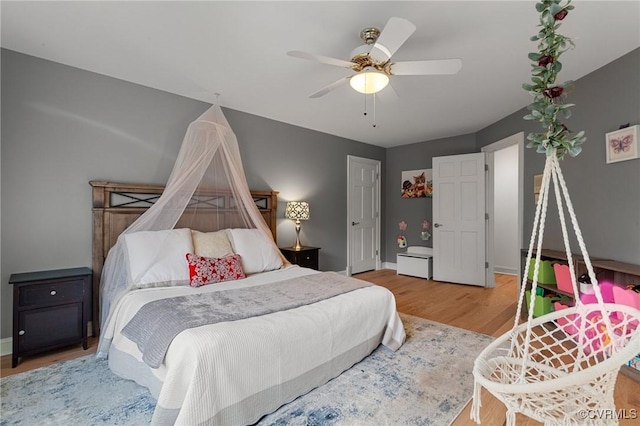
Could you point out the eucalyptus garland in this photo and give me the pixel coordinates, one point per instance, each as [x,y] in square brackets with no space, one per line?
[549,105]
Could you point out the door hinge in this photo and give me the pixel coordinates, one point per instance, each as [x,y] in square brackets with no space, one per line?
[486,167]
[376,252]
[377,176]
[486,265]
[486,216]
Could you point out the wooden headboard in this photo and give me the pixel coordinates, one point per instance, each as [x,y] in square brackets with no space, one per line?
[118,205]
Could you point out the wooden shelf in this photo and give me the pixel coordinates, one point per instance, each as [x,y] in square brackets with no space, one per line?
[615,266]
[620,273]
[554,288]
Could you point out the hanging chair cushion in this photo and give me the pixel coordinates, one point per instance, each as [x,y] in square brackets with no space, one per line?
[258,254]
[208,270]
[156,258]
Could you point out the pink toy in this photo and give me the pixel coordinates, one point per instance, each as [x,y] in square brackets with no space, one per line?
[606,288]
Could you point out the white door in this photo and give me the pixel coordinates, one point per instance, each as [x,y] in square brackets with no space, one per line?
[459,219]
[363,195]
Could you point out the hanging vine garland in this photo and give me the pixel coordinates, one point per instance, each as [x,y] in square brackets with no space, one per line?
[549,97]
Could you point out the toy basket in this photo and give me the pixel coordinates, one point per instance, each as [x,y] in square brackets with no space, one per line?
[557,367]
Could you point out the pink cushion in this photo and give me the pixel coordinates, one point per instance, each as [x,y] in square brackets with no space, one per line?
[208,270]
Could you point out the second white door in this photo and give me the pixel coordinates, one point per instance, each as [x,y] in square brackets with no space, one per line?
[459,219]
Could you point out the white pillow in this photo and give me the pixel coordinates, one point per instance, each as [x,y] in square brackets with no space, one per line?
[211,244]
[157,258]
[257,252]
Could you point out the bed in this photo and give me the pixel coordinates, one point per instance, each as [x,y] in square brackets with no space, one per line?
[239,368]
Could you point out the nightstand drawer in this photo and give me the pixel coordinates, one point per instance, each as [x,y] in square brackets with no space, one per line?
[307,257]
[50,294]
[308,260]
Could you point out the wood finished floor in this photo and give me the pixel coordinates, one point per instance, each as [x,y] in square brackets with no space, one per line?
[488,311]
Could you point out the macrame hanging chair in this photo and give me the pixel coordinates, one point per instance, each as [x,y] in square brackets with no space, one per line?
[559,368]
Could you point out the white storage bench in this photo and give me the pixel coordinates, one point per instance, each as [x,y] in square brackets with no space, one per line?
[417,261]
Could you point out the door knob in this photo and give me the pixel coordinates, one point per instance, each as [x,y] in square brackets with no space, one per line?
[437,225]
[355,223]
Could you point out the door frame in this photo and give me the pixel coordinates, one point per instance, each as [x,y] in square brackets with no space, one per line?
[516,139]
[378,164]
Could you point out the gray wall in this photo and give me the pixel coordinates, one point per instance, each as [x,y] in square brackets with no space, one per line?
[303,165]
[62,127]
[414,210]
[606,197]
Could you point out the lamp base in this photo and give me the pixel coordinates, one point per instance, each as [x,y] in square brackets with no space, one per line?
[297,246]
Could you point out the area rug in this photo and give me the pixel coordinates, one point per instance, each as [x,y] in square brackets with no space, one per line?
[428,381]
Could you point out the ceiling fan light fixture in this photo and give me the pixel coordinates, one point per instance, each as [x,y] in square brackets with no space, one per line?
[369,81]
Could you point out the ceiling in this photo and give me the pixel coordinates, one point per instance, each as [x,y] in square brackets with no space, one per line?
[238,49]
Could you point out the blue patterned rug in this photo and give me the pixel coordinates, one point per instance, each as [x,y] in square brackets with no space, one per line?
[427,382]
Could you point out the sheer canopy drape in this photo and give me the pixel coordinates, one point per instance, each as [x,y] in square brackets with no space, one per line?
[208,164]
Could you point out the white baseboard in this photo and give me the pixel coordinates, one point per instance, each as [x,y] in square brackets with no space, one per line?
[505,270]
[6,346]
[389,265]
[384,265]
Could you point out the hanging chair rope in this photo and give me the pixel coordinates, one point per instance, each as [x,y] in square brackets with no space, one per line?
[557,364]
[553,172]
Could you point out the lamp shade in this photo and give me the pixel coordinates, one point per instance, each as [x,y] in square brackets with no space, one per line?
[369,81]
[297,210]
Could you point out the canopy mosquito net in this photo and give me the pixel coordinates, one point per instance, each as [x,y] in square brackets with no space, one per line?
[207,191]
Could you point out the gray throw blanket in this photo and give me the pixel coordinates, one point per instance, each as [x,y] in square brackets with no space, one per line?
[157,323]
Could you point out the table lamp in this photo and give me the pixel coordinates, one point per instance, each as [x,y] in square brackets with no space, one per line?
[297,210]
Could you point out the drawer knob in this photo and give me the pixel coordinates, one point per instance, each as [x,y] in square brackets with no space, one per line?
[53,292]
[21,332]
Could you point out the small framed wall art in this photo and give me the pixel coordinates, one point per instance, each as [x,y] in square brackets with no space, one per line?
[417,183]
[622,144]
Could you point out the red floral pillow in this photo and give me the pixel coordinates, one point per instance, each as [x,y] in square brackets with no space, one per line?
[207,270]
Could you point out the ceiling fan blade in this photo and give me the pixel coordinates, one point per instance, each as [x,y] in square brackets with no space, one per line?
[330,87]
[441,66]
[393,35]
[388,94]
[320,58]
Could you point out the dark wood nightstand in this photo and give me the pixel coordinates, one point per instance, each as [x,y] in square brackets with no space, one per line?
[307,257]
[51,309]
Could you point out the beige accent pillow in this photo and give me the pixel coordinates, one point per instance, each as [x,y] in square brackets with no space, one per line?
[211,244]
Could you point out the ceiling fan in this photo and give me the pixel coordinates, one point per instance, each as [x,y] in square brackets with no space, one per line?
[372,61]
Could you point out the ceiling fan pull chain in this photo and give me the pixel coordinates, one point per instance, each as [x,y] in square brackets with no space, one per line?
[365,104]
[374,110]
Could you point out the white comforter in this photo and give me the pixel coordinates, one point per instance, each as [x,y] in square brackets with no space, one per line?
[236,372]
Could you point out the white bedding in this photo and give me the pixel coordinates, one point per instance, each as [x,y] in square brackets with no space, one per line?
[236,372]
